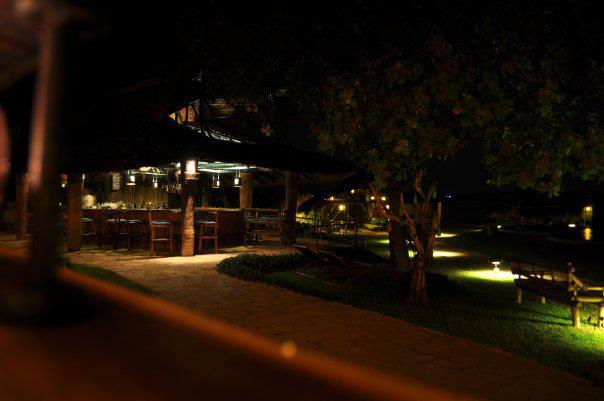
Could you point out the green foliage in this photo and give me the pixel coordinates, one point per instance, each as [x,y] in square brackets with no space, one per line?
[251,266]
[535,107]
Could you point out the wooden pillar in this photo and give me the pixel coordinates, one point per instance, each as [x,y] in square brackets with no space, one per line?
[291,205]
[187,220]
[22,200]
[601,316]
[575,314]
[246,190]
[75,186]
[518,294]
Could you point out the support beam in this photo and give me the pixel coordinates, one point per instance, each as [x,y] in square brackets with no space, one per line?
[187,222]
[518,294]
[291,206]
[21,202]
[246,190]
[75,186]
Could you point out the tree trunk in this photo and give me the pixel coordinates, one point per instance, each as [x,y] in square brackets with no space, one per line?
[187,222]
[21,202]
[399,253]
[75,186]
[291,204]
[246,191]
[417,285]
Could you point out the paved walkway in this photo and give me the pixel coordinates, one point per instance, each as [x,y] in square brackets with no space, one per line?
[342,331]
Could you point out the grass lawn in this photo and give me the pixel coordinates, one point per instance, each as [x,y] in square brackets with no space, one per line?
[110,277]
[468,300]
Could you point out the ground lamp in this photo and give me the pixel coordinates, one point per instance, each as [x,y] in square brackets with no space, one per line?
[495,262]
[215,180]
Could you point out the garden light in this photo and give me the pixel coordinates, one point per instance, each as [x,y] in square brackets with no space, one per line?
[572,225]
[341,207]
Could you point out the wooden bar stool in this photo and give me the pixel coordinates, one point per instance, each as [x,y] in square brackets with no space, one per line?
[207,224]
[88,229]
[160,231]
[129,228]
[108,228]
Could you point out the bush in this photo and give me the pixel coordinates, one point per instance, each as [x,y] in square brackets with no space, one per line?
[251,266]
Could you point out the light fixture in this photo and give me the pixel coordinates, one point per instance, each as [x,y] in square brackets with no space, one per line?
[132,180]
[387,206]
[341,207]
[499,226]
[191,170]
[216,181]
[572,225]
[372,198]
[155,183]
[237,179]
[332,198]
[588,208]
[495,263]
[352,191]
[63,180]
[383,198]
[587,234]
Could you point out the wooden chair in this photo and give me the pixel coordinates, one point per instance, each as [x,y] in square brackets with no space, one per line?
[88,229]
[207,228]
[108,228]
[129,228]
[160,231]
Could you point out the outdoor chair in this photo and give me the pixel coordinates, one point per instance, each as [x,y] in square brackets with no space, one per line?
[108,228]
[160,232]
[207,229]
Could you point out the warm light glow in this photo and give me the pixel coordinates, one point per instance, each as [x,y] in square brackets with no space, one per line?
[155,184]
[383,198]
[572,225]
[132,179]
[387,206]
[587,234]
[493,275]
[446,235]
[447,254]
[352,191]
[372,198]
[341,207]
[191,169]
[332,198]
[236,181]
[588,208]
[499,226]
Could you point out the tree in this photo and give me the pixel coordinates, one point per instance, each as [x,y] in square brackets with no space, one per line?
[535,109]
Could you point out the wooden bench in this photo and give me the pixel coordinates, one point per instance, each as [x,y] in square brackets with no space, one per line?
[263,222]
[561,286]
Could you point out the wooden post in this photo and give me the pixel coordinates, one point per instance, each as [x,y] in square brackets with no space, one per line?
[575,314]
[542,300]
[518,294]
[601,316]
[75,186]
[22,200]
[187,220]
[246,190]
[291,205]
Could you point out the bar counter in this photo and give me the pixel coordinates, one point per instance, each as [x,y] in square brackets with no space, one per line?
[230,221]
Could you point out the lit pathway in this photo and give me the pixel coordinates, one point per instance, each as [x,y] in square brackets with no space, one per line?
[342,331]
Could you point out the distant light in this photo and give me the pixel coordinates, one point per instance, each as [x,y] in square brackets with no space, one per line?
[236,182]
[132,179]
[341,207]
[499,226]
[448,254]
[155,184]
[495,263]
[492,275]
[572,225]
[191,169]
[63,185]
[332,198]
[383,198]
[587,234]
[446,235]
[352,191]
[372,198]
[387,206]
[588,208]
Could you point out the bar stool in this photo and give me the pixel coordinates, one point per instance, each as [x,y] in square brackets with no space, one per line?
[88,229]
[208,229]
[160,231]
[108,228]
[131,229]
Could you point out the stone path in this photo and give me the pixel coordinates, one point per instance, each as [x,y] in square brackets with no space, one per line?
[342,331]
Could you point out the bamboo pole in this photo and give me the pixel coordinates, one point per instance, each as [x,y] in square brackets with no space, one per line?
[21,202]
[75,186]
[187,222]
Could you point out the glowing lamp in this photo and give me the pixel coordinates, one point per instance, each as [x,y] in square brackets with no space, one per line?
[191,170]
[499,226]
[352,191]
[383,198]
[588,208]
[216,181]
[572,225]
[63,180]
[372,198]
[495,262]
[155,184]
[132,180]
[332,198]
[387,206]
[341,207]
